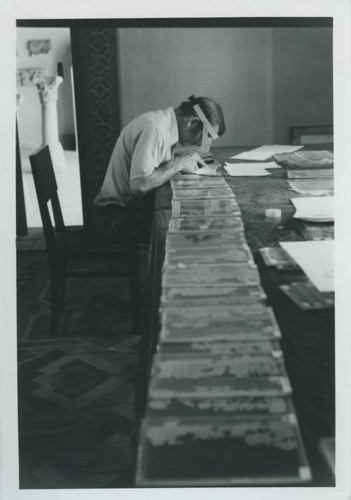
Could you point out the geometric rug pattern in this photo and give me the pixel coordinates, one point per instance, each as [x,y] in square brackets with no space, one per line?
[76,391]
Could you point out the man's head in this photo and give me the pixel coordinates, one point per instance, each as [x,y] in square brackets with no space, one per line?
[199,118]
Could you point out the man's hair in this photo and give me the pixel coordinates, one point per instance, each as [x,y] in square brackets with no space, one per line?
[210,108]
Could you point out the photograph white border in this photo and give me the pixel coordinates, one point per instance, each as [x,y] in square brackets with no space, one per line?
[61,9]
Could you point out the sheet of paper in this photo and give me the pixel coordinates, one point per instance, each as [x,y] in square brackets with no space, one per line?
[316,259]
[265,152]
[249,169]
[314,208]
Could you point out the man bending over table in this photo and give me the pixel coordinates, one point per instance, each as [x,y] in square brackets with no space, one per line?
[143,160]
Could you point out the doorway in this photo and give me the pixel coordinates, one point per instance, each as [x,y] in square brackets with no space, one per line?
[46,52]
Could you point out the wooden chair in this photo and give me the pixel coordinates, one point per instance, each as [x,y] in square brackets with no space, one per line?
[65,245]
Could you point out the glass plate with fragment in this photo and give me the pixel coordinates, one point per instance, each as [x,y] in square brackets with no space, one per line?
[203,193]
[234,274]
[199,182]
[220,348]
[184,176]
[212,295]
[219,387]
[187,257]
[202,224]
[200,451]
[205,208]
[205,240]
[255,321]
[181,369]
[193,406]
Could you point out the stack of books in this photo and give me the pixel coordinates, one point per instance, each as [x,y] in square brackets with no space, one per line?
[219,409]
[305,159]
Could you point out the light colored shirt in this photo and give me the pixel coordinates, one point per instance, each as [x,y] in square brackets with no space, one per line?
[142,146]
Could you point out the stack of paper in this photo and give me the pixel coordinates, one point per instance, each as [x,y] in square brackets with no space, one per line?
[314,173]
[316,259]
[316,209]
[249,169]
[313,187]
[306,159]
[263,153]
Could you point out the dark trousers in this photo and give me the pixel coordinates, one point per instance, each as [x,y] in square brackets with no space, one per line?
[127,224]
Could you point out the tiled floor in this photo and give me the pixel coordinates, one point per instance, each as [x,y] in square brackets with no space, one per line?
[76,397]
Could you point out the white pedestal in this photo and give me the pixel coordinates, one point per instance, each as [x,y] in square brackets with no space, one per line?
[48,93]
[27,200]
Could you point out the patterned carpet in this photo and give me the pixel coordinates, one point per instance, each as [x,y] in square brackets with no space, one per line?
[77,390]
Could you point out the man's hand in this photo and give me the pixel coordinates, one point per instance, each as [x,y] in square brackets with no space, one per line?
[188,163]
[191,162]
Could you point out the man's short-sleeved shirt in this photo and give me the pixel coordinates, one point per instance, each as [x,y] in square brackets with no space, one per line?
[142,146]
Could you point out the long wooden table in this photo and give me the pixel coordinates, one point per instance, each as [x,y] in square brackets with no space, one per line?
[307,336]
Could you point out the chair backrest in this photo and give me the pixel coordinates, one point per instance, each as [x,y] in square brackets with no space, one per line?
[46,189]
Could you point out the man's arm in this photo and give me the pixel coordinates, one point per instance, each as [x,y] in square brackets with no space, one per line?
[164,172]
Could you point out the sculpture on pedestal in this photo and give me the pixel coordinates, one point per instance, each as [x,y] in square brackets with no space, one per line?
[23,201]
[48,93]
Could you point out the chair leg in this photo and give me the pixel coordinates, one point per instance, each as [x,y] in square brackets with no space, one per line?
[53,321]
[54,305]
[62,286]
[58,283]
[134,286]
[57,291]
